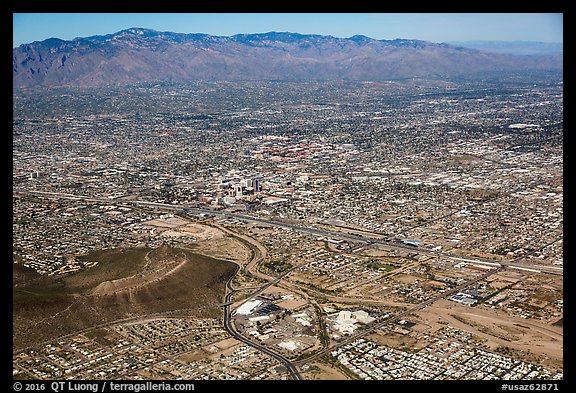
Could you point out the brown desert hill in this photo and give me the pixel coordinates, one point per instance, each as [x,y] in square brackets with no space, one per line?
[142,55]
[125,284]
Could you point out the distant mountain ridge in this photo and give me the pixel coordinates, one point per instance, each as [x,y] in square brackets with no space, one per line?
[513,47]
[144,55]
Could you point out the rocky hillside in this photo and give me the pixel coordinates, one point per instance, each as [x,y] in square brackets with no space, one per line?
[142,55]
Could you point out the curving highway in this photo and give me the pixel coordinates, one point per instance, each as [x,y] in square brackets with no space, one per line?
[231,329]
[393,245]
[291,367]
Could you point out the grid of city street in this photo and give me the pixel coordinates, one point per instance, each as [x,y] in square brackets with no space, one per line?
[275,230]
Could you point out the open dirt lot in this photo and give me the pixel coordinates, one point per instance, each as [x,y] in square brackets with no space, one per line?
[323,371]
[178,227]
[499,329]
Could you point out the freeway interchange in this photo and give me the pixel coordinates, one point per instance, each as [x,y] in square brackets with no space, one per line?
[393,245]
[292,366]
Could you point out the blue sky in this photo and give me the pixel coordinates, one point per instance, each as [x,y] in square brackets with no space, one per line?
[435,27]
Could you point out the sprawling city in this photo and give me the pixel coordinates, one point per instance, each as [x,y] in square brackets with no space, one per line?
[387,229]
[342,231]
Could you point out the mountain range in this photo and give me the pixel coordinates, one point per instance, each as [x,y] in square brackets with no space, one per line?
[142,55]
[513,47]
